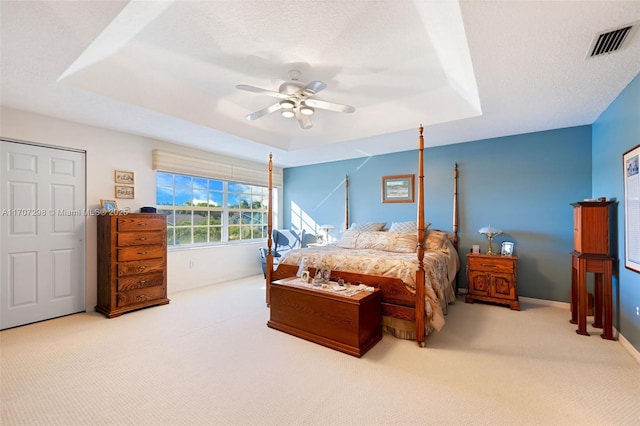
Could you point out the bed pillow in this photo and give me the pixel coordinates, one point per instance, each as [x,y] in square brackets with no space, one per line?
[397,242]
[436,240]
[348,239]
[410,226]
[369,226]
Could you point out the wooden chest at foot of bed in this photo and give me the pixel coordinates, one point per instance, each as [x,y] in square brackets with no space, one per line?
[352,325]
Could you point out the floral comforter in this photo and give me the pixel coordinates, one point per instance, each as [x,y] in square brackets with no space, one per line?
[440,268]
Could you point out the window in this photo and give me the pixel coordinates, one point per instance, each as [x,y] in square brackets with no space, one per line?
[204,211]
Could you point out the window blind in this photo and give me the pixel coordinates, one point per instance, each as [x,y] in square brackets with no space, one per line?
[216,166]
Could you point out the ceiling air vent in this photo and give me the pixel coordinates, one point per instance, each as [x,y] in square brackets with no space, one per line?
[612,40]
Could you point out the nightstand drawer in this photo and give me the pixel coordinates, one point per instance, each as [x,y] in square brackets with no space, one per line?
[498,264]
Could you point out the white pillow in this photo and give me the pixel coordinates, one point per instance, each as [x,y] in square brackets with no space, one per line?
[411,226]
[348,239]
[369,226]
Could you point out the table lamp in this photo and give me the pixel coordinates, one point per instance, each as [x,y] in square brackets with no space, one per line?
[490,232]
[326,229]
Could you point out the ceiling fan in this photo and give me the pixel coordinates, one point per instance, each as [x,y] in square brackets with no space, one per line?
[296,100]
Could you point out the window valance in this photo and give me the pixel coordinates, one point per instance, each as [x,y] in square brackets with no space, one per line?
[216,166]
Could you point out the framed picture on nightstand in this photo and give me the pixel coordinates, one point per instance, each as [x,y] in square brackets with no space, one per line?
[507,248]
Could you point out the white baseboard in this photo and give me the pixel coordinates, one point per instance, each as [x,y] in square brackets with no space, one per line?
[552,303]
[564,305]
[629,347]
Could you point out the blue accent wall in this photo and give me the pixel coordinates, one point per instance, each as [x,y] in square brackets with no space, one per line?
[522,184]
[615,132]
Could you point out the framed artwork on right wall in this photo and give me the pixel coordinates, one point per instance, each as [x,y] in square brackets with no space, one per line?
[630,162]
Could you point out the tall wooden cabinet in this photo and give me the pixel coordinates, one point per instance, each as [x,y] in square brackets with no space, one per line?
[592,253]
[132,262]
[492,278]
[591,227]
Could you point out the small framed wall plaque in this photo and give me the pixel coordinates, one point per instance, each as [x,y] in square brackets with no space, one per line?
[125,177]
[125,191]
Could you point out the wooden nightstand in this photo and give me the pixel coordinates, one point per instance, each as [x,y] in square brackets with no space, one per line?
[492,278]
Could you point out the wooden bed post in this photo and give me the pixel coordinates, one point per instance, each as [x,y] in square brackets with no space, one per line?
[269,263]
[455,214]
[420,273]
[346,202]
[455,206]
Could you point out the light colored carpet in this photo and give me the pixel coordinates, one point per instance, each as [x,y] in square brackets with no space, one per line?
[208,358]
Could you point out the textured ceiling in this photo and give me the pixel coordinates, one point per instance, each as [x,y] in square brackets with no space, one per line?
[167,70]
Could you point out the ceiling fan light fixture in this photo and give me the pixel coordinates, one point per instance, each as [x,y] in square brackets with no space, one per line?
[287,113]
[287,104]
[306,110]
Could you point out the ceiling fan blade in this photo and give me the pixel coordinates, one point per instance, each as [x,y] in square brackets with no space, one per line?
[315,103]
[261,91]
[264,111]
[304,120]
[314,87]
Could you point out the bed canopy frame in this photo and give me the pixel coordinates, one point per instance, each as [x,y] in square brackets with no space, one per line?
[397,300]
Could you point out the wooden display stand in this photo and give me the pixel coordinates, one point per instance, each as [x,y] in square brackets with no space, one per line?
[591,254]
[601,267]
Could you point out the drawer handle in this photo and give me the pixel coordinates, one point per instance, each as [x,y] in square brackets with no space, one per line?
[142,239]
[142,267]
[141,297]
[143,252]
[142,224]
[489,265]
[142,281]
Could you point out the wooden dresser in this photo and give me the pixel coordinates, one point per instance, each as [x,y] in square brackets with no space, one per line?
[132,262]
[492,278]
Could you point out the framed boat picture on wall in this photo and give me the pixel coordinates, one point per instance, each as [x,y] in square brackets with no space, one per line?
[630,163]
[397,189]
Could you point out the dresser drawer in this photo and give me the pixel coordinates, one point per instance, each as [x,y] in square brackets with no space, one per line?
[140,253]
[143,295]
[502,265]
[140,238]
[128,283]
[132,223]
[141,267]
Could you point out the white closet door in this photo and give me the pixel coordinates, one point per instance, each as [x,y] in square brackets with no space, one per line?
[42,233]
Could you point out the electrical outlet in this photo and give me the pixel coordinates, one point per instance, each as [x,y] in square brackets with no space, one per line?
[192,263]
[638,310]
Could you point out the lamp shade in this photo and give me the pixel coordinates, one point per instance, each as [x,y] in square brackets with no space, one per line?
[490,230]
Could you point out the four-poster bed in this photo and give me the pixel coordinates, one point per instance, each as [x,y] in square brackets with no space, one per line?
[414,297]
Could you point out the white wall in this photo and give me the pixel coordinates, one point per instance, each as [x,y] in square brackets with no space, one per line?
[107,151]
